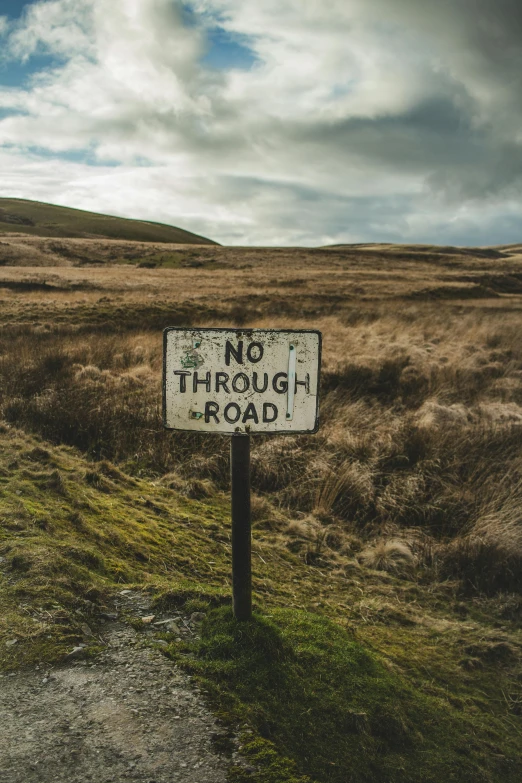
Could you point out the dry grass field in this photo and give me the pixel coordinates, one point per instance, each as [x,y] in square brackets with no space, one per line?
[401,519]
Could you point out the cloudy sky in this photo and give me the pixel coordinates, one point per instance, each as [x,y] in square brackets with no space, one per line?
[268,122]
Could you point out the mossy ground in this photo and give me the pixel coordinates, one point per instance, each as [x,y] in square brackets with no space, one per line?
[71,532]
[332,706]
[367,678]
[347,673]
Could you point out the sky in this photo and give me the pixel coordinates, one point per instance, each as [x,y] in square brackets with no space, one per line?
[270,122]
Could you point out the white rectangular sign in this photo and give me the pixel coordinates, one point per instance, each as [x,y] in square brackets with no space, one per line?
[241,380]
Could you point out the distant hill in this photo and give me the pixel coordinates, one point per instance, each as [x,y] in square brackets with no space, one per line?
[48,220]
[420,251]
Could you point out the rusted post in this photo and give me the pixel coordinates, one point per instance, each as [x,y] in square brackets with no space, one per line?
[241,527]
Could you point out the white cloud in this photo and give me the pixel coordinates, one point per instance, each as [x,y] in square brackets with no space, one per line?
[357,118]
[61,27]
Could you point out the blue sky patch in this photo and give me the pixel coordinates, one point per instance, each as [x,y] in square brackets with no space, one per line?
[228,51]
[4,112]
[225,49]
[15,73]
[84,156]
[13,8]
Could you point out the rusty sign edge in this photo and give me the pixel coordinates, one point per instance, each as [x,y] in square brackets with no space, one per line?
[240,331]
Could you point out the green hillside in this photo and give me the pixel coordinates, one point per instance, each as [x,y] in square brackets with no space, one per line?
[49,220]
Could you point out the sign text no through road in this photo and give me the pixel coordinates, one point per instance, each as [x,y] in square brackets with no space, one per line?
[241,380]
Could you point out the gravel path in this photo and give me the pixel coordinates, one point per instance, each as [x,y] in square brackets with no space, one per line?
[130,715]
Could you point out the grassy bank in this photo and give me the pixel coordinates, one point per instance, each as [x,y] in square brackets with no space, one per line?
[368,677]
[387,549]
[337,711]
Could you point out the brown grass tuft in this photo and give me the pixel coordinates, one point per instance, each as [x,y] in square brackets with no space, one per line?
[392,555]
[489,556]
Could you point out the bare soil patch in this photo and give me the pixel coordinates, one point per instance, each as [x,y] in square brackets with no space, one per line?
[125,715]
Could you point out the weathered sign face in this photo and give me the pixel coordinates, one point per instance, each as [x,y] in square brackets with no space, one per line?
[241,380]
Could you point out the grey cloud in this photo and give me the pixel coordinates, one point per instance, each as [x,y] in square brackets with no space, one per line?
[407,140]
[475,39]
[304,216]
[498,173]
[301,214]
[269,156]
[479,230]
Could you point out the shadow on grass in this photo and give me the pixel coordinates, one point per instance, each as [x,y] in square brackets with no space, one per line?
[321,705]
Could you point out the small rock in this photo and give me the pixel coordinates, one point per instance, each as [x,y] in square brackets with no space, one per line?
[162,642]
[125,592]
[197,617]
[11,642]
[108,616]
[76,652]
[147,620]
[168,625]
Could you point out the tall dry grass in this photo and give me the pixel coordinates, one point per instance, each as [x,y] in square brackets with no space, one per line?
[421,423]
[487,554]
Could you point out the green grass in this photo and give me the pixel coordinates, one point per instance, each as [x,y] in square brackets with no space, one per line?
[370,678]
[324,705]
[49,220]
[71,533]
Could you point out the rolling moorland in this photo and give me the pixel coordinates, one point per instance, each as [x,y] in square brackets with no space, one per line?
[47,220]
[387,548]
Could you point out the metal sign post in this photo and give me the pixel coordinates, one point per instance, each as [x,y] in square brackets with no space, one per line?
[241,527]
[237,382]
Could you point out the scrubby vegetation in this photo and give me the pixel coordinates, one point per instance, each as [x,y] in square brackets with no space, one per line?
[390,541]
[418,446]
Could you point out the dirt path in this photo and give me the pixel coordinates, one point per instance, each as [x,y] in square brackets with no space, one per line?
[128,715]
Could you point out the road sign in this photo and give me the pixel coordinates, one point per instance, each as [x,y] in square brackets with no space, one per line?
[241,380]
